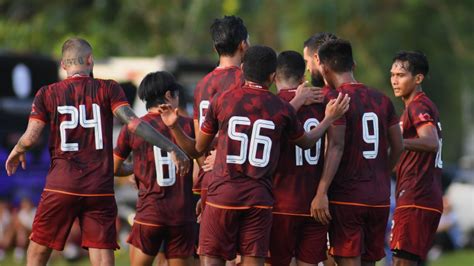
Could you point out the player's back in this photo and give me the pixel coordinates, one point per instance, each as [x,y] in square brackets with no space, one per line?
[419,173]
[79,111]
[164,198]
[363,175]
[218,80]
[299,171]
[250,123]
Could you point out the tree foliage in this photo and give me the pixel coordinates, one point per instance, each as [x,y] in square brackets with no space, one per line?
[377,29]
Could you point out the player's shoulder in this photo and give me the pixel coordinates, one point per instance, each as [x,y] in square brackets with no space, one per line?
[421,100]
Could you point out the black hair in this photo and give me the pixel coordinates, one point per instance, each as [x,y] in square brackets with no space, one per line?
[417,62]
[154,86]
[227,33]
[290,65]
[337,55]
[259,62]
[315,41]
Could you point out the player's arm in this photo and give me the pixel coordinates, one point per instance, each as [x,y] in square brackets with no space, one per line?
[427,140]
[26,142]
[143,129]
[335,149]
[306,95]
[200,160]
[334,109]
[121,168]
[395,141]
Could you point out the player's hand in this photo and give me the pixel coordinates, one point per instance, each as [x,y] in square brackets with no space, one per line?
[14,160]
[337,107]
[182,162]
[198,210]
[209,162]
[309,94]
[320,209]
[168,114]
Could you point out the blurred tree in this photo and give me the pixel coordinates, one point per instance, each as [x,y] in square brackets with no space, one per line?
[377,30]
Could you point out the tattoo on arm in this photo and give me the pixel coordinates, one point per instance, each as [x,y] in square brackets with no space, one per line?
[31,135]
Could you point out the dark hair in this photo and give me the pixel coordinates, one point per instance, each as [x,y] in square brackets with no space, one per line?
[259,62]
[290,65]
[417,62]
[315,41]
[154,85]
[227,33]
[337,55]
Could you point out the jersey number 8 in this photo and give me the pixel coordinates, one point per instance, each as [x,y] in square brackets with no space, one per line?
[160,161]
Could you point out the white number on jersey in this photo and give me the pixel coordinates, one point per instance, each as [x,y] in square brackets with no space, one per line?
[160,161]
[203,105]
[370,138]
[438,160]
[255,140]
[312,160]
[81,118]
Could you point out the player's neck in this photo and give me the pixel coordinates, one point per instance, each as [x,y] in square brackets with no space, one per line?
[283,85]
[343,78]
[230,61]
[409,98]
[78,73]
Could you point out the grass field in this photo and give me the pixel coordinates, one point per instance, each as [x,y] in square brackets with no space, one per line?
[458,258]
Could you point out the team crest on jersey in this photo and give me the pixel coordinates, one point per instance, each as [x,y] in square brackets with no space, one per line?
[425,117]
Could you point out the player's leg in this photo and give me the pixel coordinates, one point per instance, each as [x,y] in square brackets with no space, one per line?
[179,246]
[282,240]
[218,235]
[101,257]
[346,234]
[347,261]
[37,254]
[374,235]
[53,221]
[312,242]
[254,235]
[99,233]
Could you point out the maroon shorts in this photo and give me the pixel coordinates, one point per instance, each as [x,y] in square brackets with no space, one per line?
[413,230]
[224,232]
[358,231]
[178,241]
[297,236]
[57,211]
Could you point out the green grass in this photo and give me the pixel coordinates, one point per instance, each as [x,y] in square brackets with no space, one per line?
[458,258]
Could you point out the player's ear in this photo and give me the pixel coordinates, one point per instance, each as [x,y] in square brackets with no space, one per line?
[272,77]
[354,65]
[90,60]
[63,66]
[419,78]
[168,96]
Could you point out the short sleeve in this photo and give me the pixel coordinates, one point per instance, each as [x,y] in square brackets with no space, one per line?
[330,95]
[392,117]
[420,114]
[117,96]
[123,148]
[294,128]
[210,125]
[38,108]
[197,100]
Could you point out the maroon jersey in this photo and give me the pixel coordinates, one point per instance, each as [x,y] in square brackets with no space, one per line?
[251,123]
[79,111]
[419,173]
[297,175]
[164,198]
[220,79]
[363,176]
